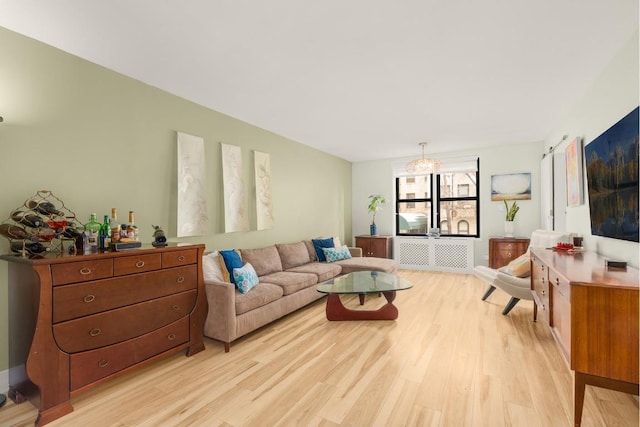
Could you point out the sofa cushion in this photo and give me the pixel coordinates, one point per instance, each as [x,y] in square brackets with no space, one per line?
[211,269]
[322,270]
[264,260]
[293,254]
[319,244]
[290,282]
[245,277]
[311,249]
[262,294]
[368,264]
[229,259]
[519,267]
[336,254]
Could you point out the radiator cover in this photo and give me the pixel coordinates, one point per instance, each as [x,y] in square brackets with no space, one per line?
[442,254]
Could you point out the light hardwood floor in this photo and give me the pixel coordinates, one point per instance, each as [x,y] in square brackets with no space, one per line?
[449,360]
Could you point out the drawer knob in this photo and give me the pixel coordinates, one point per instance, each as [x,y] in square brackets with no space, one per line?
[180,279]
[85,270]
[103,363]
[557,282]
[140,264]
[509,254]
[176,307]
[95,332]
[543,292]
[181,258]
[89,298]
[171,337]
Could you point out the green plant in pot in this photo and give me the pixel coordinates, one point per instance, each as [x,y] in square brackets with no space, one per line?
[376,202]
[510,217]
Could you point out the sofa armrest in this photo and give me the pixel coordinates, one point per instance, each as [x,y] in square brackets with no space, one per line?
[221,317]
[355,252]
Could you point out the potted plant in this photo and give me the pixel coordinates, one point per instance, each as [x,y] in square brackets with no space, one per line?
[375,204]
[510,217]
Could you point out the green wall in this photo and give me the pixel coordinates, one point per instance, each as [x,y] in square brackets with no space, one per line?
[98,140]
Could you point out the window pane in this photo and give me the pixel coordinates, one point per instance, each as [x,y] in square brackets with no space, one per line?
[414,220]
[458,185]
[460,216]
[420,185]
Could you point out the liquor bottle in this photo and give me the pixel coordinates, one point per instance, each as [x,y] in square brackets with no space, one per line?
[32,248]
[13,231]
[92,231]
[30,220]
[115,226]
[105,230]
[132,230]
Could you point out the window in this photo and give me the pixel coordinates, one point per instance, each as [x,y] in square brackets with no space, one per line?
[413,214]
[450,201]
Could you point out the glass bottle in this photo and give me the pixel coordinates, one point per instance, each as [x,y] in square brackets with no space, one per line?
[132,230]
[105,231]
[115,226]
[92,231]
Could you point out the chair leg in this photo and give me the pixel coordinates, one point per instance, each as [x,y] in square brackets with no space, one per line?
[512,303]
[488,292]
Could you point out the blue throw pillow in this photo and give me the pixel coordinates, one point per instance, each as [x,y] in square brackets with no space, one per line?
[245,277]
[336,254]
[231,260]
[318,244]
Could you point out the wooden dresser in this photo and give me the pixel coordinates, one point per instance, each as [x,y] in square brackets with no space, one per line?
[375,246]
[593,315]
[79,320]
[503,250]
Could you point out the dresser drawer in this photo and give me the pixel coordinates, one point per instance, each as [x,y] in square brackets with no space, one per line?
[560,283]
[89,366]
[121,324]
[82,299]
[136,264]
[81,271]
[178,258]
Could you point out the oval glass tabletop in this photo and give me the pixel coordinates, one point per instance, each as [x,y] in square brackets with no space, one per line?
[364,282]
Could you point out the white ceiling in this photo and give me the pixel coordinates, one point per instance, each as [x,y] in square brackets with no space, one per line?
[360,79]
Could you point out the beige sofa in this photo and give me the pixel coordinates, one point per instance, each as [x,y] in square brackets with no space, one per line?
[288,275]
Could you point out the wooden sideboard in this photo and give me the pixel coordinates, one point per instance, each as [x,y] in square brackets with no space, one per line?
[375,246]
[77,321]
[593,315]
[503,250]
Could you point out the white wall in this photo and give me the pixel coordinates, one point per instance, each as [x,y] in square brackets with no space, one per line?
[376,177]
[611,96]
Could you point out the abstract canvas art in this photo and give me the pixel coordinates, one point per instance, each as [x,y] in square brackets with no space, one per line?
[235,202]
[514,186]
[193,219]
[264,207]
[573,160]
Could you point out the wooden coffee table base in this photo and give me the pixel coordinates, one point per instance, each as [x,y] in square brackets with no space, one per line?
[337,311]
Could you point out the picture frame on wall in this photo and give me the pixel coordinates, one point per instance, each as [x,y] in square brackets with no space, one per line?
[573,163]
[513,186]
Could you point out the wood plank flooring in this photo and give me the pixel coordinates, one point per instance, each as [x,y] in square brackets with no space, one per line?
[450,359]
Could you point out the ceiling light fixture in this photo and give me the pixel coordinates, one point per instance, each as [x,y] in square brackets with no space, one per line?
[423,166]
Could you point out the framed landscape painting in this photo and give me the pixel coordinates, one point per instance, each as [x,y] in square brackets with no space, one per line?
[514,186]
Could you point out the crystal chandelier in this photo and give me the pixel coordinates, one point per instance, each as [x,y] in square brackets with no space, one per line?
[423,166]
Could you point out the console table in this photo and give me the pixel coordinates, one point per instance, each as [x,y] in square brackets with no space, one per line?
[593,315]
[76,321]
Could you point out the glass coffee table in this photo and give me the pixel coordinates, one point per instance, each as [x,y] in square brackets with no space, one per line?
[363,283]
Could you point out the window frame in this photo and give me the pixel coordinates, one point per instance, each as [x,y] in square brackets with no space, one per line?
[436,199]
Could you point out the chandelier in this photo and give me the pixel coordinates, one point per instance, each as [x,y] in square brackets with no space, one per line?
[423,166]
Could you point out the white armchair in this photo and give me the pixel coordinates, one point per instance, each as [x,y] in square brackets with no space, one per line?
[518,287]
